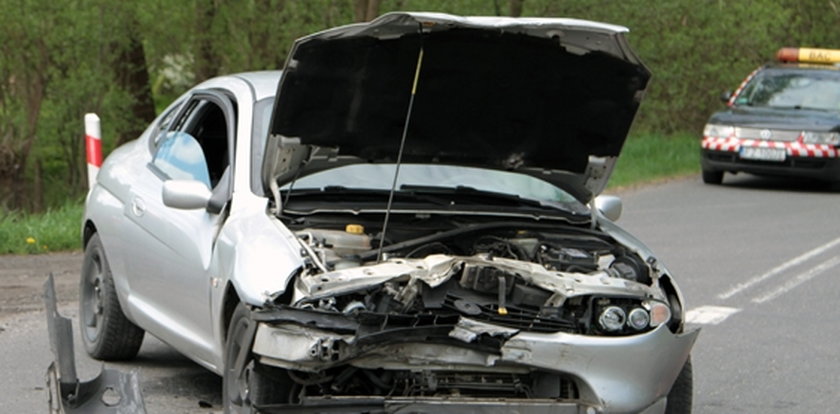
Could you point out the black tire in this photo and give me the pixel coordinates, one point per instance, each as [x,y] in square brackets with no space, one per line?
[712,177]
[106,333]
[682,392]
[253,384]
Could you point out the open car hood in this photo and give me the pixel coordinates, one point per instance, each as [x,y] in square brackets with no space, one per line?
[552,98]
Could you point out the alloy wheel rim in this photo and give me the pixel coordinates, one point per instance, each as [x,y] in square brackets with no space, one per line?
[93,304]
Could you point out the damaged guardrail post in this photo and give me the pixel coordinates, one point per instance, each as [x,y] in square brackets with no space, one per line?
[111,391]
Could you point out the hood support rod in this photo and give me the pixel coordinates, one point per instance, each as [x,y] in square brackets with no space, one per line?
[400,154]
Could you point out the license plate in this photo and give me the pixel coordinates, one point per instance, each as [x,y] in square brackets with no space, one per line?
[763,154]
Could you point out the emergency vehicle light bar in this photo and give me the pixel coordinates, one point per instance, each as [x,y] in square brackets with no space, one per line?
[808,55]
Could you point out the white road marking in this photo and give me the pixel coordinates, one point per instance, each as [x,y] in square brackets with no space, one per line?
[709,315]
[740,287]
[798,280]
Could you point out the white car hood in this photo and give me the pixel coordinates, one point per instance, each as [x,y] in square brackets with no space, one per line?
[553,98]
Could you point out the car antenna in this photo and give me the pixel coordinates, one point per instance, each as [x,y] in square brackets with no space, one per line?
[399,155]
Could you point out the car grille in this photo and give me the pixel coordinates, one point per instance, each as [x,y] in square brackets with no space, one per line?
[775,134]
[430,383]
[487,384]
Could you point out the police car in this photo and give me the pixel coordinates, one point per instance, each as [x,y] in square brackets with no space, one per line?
[784,119]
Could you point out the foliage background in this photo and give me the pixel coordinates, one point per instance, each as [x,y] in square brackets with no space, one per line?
[127,60]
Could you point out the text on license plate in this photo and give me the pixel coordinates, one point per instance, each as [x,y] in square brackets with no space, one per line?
[763,154]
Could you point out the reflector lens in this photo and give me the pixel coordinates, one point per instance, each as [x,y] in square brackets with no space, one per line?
[660,313]
[612,319]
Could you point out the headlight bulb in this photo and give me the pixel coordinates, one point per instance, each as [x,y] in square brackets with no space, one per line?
[612,319]
[638,319]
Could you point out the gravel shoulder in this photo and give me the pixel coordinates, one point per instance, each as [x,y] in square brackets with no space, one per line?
[22,280]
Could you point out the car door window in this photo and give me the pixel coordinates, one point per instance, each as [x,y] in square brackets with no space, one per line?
[180,157]
[197,146]
[209,126]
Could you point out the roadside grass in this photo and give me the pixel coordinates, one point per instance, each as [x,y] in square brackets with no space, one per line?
[645,158]
[57,229]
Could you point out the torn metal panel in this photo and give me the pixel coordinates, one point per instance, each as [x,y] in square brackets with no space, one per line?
[111,391]
[468,330]
[436,269]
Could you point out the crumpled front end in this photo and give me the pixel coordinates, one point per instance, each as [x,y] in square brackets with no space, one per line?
[481,333]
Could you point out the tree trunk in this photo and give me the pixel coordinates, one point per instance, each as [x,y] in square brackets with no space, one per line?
[516,8]
[206,61]
[31,91]
[366,10]
[133,77]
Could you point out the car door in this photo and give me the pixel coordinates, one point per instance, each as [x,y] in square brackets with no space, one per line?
[169,271]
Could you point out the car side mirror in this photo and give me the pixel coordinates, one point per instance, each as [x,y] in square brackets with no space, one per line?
[609,206]
[725,96]
[185,194]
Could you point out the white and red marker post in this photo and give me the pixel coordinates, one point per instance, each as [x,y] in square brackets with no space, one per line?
[93,147]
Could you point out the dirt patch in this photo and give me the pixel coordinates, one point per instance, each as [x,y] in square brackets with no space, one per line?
[22,280]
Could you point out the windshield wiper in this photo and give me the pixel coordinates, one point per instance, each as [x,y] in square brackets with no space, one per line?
[434,195]
[473,196]
[359,193]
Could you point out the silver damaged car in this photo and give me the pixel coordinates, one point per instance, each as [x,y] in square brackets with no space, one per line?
[405,220]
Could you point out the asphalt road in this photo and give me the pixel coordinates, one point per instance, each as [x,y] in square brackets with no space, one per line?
[757,260]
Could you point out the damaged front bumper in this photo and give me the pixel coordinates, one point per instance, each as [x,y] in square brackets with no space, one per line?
[444,356]
[377,405]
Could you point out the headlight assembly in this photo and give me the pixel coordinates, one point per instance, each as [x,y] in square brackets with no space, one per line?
[627,316]
[828,138]
[718,131]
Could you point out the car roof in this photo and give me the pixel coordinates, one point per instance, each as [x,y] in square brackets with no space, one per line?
[803,66]
[264,83]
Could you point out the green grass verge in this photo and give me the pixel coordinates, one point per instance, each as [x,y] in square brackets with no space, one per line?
[644,158]
[647,158]
[57,229]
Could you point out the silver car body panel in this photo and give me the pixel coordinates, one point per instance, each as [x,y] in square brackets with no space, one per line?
[246,251]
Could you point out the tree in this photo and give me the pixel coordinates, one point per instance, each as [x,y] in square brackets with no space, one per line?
[23,84]
[124,59]
[206,58]
[132,76]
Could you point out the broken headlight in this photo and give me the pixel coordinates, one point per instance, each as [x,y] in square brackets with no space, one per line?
[628,316]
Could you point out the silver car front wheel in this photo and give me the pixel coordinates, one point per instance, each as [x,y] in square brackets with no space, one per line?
[106,333]
[247,383]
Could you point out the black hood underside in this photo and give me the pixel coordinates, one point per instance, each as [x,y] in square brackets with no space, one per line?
[493,101]
[538,97]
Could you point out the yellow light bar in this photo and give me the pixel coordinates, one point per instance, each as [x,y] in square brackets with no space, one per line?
[808,55]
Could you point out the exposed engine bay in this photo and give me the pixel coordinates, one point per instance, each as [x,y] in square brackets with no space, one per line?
[432,311]
[532,277]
